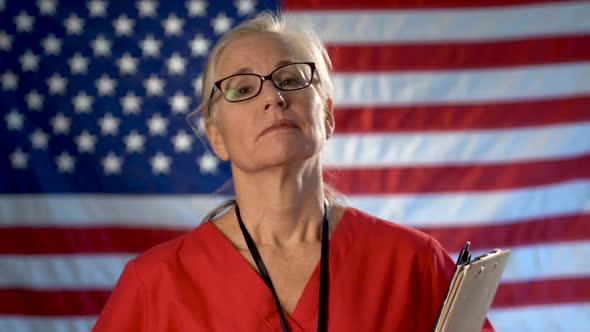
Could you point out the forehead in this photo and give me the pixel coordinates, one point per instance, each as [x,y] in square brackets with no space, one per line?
[258,52]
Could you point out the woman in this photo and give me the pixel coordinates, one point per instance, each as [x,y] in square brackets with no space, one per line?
[285,257]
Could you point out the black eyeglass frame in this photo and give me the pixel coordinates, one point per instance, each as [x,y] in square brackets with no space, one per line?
[217,85]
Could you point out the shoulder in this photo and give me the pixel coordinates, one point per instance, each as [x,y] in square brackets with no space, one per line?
[399,244]
[168,254]
[376,230]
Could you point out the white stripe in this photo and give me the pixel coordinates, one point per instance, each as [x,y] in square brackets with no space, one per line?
[169,211]
[489,207]
[46,324]
[466,24]
[461,86]
[547,261]
[457,147]
[486,207]
[546,318]
[102,271]
[61,271]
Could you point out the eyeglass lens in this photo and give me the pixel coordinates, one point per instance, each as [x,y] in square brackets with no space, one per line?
[245,86]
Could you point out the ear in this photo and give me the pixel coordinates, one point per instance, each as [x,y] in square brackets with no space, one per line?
[216,139]
[330,122]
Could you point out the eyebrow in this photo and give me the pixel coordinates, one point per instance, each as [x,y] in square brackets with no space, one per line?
[248,70]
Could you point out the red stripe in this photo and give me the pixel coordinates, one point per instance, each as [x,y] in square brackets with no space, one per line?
[90,302]
[52,302]
[309,5]
[81,240]
[108,240]
[396,57]
[537,292]
[526,113]
[457,178]
[565,228]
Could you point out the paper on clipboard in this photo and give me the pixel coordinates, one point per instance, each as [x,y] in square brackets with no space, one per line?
[471,292]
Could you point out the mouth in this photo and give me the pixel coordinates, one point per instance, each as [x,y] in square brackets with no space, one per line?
[279,125]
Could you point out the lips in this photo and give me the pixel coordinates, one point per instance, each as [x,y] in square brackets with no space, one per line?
[279,124]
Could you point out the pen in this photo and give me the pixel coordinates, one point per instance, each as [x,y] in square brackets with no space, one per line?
[464,255]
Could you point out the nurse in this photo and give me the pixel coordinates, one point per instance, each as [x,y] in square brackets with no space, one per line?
[284,255]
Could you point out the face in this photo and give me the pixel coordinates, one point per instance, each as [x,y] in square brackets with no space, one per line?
[276,127]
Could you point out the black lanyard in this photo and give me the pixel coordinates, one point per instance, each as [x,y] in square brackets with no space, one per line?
[324,271]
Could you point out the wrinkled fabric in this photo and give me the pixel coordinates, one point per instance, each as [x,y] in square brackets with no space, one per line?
[383,277]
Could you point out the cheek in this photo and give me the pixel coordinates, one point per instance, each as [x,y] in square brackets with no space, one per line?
[316,114]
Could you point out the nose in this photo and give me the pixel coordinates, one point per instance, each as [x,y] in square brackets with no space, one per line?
[273,97]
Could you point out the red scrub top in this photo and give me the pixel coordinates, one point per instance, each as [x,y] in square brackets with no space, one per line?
[383,277]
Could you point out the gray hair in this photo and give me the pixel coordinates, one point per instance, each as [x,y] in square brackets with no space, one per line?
[308,40]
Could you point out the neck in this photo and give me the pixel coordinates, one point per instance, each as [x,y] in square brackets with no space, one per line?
[281,207]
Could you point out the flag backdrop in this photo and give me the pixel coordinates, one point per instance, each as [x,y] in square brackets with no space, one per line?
[466,119]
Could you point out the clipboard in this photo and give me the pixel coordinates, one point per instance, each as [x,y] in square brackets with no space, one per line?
[471,291]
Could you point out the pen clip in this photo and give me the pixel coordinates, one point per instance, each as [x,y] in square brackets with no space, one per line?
[464,255]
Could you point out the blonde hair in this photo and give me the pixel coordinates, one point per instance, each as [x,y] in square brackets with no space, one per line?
[306,38]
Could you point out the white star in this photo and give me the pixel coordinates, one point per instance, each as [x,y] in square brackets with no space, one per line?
[208,163]
[245,7]
[109,125]
[160,163]
[34,100]
[154,85]
[172,25]
[14,120]
[200,45]
[150,46]
[51,45]
[157,125]
[176,64]
[19,159]
[9,81]
[182,141]
[29,61]
[198,85]
[196,8]
[179,102]
[112,164]
[123,25]
[221,23]
[5,41]
[127,64]
[39,139]
[47,7]
[82,102]
[97,8]
[78,64]
[147,8]
[24,22]
[74,25]
[85,142]
[130,103]
[105,85]
[65,162]
[61,124]
[57,84]
[101,46]
[134,142]
[2,5]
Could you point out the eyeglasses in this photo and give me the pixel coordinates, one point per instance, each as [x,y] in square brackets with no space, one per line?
[241,87]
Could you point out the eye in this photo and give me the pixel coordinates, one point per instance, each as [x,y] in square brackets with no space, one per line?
[289,81]
[238,92]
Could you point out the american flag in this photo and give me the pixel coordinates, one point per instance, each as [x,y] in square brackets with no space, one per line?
[469,120]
